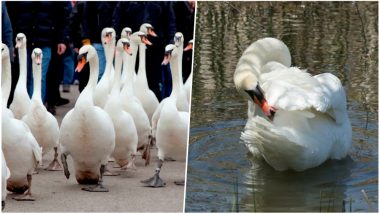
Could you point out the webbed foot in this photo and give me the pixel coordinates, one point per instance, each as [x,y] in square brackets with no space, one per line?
[54,166]
[97,188]
[154,181]
[108,172]
[24,197]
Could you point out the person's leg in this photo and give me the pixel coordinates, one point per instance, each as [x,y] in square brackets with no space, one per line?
[29,78]
[46,51]
[166,81]
[68,69]
[102,58]
[155,55]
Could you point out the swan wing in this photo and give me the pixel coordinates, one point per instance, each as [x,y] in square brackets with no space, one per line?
[293,89]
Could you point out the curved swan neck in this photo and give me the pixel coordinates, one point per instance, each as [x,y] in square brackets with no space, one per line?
[36,82]
[6,78]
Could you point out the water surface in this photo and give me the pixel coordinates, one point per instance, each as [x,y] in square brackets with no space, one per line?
[340,38]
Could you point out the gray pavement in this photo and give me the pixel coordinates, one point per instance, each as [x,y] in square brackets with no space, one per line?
[54,193]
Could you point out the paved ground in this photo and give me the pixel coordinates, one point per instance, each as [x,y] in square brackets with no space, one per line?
[54,193]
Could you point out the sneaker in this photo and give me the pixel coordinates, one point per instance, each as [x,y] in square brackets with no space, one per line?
[62,101]
[66,88]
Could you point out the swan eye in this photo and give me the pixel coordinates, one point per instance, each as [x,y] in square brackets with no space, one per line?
[83,55]
[126,44]
[168,52]
[127,32]
[2,49]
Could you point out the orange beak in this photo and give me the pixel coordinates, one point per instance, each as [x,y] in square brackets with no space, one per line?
[166,60]
[268,110]
[151,32]
[107,39]
[257,96]
[38,60]
[128,50]
[146,41]
[188,47]
[80,65]
[17,44]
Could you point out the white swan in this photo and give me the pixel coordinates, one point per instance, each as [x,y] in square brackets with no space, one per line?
[5,174]
[172,126]
[42,123]
[87,132]
[103,88]
[178,90]
[308,121]
[6,78]
[189,81]
[182,101]
[126,33]
[147,98]
[130,102]
[22,154]
[21,99]
[125,129]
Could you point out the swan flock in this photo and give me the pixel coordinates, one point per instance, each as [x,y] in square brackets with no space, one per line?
[112,117]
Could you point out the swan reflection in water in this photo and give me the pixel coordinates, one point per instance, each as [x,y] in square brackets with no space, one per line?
[270,191]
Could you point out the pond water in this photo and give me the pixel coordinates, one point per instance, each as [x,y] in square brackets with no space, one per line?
[340,38]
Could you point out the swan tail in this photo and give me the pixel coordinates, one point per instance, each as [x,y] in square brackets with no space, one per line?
[37,149]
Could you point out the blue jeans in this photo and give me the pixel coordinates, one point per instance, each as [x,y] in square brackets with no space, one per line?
[102,58]
[46,51]
[68,66]
[166,81]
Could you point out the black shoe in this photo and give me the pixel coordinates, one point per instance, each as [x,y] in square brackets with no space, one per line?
[62,101]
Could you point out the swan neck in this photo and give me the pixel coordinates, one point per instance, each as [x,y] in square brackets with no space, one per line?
[23,70]
[110,50]
[132,62]
[117,74]
[94,73]
[180,56]
[142,69]
[174,65]
[129,70]
[6,78]
[36,82]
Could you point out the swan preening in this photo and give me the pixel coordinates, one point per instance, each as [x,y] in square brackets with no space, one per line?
[295,120]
